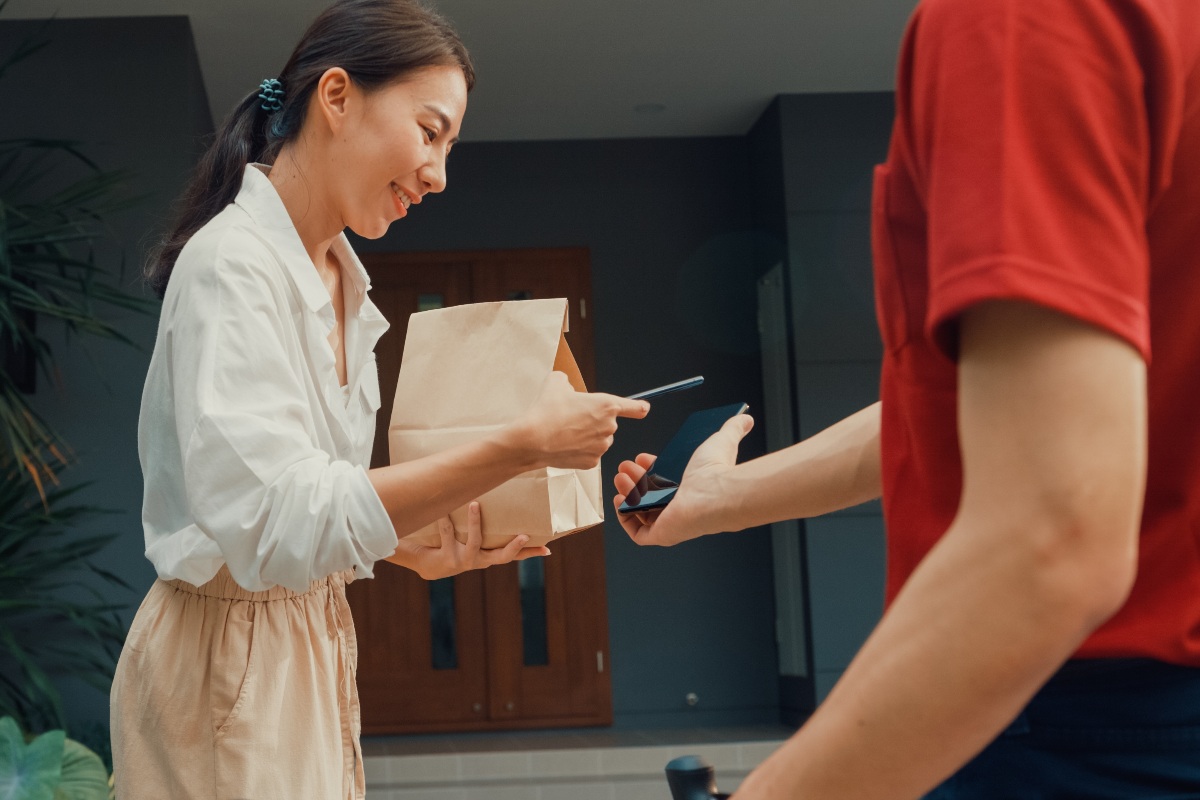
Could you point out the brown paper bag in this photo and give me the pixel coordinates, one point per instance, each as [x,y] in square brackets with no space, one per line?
[468,370]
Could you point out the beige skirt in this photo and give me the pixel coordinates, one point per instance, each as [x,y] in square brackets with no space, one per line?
[225,694]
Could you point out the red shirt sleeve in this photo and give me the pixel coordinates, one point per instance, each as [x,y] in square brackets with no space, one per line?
[1030,140]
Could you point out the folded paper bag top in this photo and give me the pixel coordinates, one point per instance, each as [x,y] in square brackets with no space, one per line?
[468,370]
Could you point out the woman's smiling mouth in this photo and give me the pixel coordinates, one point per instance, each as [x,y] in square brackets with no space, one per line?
[402,196]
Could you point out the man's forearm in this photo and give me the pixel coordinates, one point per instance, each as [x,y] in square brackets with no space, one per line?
[979,627]
[837,468]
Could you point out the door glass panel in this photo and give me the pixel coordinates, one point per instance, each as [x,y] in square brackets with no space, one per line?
[428,302]
[441,624]
[532,576]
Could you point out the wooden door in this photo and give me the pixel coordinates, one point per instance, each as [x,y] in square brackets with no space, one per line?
[519,646]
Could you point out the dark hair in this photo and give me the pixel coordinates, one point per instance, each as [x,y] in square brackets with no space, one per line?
[377,42]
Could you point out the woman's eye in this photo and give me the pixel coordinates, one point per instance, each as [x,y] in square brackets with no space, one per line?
[430,134]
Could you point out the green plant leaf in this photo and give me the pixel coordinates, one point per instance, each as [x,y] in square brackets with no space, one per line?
[83,774]
[112,578]
[25,48]
[46,628]
[38,690]
[48,269]
[29,771]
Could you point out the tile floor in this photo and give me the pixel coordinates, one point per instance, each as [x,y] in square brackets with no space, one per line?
[557,765]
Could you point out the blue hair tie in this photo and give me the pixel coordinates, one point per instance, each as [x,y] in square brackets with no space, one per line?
[271,95]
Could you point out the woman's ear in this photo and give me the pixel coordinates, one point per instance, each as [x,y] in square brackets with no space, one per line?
[333,97]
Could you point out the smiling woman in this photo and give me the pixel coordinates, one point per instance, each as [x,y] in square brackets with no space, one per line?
[378,151]
[258,414]
[371,45]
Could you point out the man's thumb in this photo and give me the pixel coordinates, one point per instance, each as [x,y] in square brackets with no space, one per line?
[739,426]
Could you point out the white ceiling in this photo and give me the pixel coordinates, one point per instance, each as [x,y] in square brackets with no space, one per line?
[578,69]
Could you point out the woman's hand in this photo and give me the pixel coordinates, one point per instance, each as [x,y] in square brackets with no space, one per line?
[453,557]
[700,506]
[571,429]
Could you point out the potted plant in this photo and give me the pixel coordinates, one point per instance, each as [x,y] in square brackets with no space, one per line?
[48,272]
[53,621]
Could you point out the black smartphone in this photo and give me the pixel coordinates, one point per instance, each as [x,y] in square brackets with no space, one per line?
[659,484]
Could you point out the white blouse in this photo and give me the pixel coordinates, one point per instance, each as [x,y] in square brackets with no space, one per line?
[252,454]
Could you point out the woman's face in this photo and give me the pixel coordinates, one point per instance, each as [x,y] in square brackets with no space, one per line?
[393,148]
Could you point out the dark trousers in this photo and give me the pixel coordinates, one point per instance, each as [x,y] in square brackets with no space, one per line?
[1105,729]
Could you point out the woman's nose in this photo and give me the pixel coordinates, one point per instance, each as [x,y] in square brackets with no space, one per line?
[433,175]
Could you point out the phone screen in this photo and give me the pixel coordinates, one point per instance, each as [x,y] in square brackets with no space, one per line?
[659,484]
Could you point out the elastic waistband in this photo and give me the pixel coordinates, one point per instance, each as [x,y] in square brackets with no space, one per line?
[225,587]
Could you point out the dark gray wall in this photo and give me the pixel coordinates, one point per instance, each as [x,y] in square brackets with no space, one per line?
[830,144]
[130,91]
[674,256]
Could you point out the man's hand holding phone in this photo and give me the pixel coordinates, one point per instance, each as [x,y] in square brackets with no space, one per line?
[702,504]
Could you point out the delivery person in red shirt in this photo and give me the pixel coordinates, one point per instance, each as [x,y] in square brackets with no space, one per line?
[1037,442]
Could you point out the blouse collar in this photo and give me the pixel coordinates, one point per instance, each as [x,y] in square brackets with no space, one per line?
[259,199]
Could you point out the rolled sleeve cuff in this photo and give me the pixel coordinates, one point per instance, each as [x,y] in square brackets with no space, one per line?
[371,527]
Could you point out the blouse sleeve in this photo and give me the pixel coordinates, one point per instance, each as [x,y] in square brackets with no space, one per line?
[282,510]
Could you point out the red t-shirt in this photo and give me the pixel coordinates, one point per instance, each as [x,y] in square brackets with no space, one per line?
[1047,151]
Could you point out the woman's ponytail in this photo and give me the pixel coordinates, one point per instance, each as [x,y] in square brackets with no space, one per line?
[214,184]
